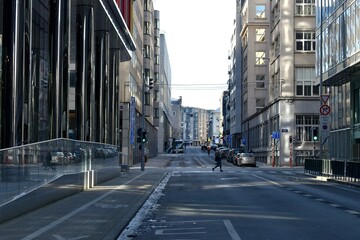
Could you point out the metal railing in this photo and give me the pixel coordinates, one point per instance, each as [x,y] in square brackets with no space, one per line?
[340,170]
[28,167]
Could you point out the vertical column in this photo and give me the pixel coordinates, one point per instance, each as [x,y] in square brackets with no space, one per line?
[115,113]
[13,73]
[58,76]
[85,88]
[102,85]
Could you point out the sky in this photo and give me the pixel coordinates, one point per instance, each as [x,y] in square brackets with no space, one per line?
[198,34]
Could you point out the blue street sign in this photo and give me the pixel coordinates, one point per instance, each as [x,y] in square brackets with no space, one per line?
[243,141]
[275,135]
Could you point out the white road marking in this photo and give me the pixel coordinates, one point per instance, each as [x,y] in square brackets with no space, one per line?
[353,212]
[231,230]
[232,178]
[201,164]
[176,231]
[267,180]
[69,215]
[199,230]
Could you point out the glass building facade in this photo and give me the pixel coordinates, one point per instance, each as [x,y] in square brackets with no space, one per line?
[59,69]
[338,69]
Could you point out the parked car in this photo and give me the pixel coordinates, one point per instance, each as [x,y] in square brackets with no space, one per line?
[246,159]
[232,154]
[181,148]
[214,146]
[224,151]
[57,158]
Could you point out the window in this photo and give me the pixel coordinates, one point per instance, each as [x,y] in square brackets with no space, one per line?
[157,23]
[147,98]
[260,104]
[276,13]
[147,28]
[156,95]
[156,77]
[147,51]
[305,7]
[147,73]
[146,5]
[305,125]
[260,81]
[276,46]
[245,84]
[157,42]
[157,59]
[305,41]
[260,58]
[245,63]
[244,39]
[260,11]
[156,113]
[305,83]
[260,34]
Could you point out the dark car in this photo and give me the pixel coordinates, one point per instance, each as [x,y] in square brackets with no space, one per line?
[224,151]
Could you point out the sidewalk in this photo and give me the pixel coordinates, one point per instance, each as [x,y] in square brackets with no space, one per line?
[99,213]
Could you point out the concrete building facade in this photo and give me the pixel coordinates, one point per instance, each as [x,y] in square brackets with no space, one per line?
[163,111]
[234,83]
[280,97]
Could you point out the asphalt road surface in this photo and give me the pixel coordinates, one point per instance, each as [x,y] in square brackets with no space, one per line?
[248,203]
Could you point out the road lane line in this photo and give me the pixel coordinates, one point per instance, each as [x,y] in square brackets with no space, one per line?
[231,230]
[180,231]
[267,180]
[201,163]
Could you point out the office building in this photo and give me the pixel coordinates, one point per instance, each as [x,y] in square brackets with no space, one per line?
[60,69]
[280,96]
[337,70]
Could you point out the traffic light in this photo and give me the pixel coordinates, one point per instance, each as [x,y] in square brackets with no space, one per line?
[151,83]
[290,139]
[139,135]
[144,136]
[315,134]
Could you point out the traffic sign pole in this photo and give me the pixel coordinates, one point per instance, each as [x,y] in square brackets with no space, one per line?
[324,117]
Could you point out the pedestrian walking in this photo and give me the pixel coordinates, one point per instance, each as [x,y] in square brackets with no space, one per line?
[217,160]
[208,149]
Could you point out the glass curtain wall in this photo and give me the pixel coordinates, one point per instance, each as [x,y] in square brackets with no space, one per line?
[59,72]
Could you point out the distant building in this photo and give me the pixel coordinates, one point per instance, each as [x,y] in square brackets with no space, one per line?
[198,126]
[176,108]
[163,109]
[235,85]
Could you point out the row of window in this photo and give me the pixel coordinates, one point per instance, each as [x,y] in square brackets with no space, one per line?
[305,126]
[302,7]
[305,83]
[304,40]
